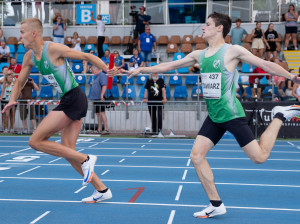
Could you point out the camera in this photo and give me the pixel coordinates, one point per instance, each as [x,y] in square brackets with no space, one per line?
[133,12]
[29,79]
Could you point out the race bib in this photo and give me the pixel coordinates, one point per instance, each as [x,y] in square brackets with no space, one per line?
[50,78]
[147,40]
[211,85]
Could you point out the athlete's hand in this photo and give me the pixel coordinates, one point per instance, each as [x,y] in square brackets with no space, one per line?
[112,72]
[8,106]
[134,72]
[295,79]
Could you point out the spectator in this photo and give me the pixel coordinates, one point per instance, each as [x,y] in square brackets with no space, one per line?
[17,7]
[279,81]
[258,41]
[4,52]
[255,85]
[16,68]
[59,28]
[6,90]
[119,61]
[238,33]
[145,44]
[141,21]
[87,65]
[98,93]
[76,42]
[38,7]
[291,27]
[289,85]
[271,37]
[156,88]
[105,58]
[296,91]
[136,60]
[100,34]
[1,35]
[26,94]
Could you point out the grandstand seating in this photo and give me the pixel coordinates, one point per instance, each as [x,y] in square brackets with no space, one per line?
[47,38]
[199,40]
[34,93]
[200,46]
[124,80]
[163,40]
[175,39]
[83,88]
[11,41]
[175,80]
[77,67]
[104,47]
[12,48]
[115,40]
[3,64]
[88,47]
[115,92]
[197,91]
[172,48]
[21,49]
[91,79]
[186,48]
[187,39]
[248,92]
[131,92]
[20,58]
[44,81]
[141,80]
[106,40]
[68,40]
[246,68]
[35,78]
[180,92]
[82,40]
[127,40]
[152,64]
[168,92]
[142,92]
[34,70]
[191,80]
[92,40]
[80,79]
[268,89]
[115,80]
[46,92]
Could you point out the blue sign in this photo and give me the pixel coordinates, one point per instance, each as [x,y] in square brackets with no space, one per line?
[105,18]
[84,13]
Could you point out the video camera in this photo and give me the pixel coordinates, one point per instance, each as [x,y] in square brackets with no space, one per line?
[133,12]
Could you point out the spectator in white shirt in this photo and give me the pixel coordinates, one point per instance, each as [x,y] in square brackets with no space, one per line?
[4,53]
[100,34]
[76,42]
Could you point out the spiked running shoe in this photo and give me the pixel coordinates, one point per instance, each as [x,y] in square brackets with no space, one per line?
[88,169]
[97,197]
[288,112]
[211,211]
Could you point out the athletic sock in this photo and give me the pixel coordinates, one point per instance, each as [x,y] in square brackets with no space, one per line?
[104,191]
[216,203]
[280,116]
[87,159]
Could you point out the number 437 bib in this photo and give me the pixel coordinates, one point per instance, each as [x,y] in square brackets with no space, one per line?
[211,85]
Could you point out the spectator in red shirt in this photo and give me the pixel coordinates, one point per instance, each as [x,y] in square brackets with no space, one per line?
[16,68]
[254,81]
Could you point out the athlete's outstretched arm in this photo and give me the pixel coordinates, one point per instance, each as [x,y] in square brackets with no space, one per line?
[62,51]
[187,61]
[20,82]
[270,67]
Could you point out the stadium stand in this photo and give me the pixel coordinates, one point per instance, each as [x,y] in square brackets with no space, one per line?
[168,92]
[180,92]
[44,81]
[68,40]
[163,40]
[35,78]
[21,49]
[115,92]
[47,38]
[141,80]
[186,48]
[172,48]
[115,40]
[12,41]
[82,40]
[191,80]
[127,40]
[77,67]
[46,92]
[124,80]
[131,92]
[142,92]
[88,47]
[92,40]
[34,93]
[20,58]
[175,39]
[34,70]
[80,79]
[197,91]
[175,80]
[187,39]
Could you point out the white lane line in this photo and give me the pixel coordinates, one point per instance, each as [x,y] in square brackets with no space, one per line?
[105,172]
[153,204]
[184,174]
[28,170]
[291,144]
[188,162]
[150,141]
[178,193]
[20,150]
[107,140]
[80,189]
[5,154]
[170,221]
[1,181]
[121,160]
[133,152]
[40,217]
[55,160]
[93,145]
[80,150]
[143,146]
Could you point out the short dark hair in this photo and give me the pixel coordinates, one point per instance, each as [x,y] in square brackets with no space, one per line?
[238,20]
[4,67]
[222,19]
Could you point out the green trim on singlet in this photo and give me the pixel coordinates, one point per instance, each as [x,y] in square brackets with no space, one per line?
[227,107]
[61,77]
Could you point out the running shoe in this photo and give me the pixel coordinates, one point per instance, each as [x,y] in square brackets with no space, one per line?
[88,169]
[288,111]
[97,197]
[211,211]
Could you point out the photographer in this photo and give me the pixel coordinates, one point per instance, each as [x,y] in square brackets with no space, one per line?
[59,28]
[141,21]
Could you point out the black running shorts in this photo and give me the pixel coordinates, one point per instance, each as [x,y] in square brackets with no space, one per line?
[74,104]
[238,127]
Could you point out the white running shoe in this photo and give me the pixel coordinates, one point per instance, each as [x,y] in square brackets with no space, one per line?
[288,112]
[88,169]
[211,211]
[97,197]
